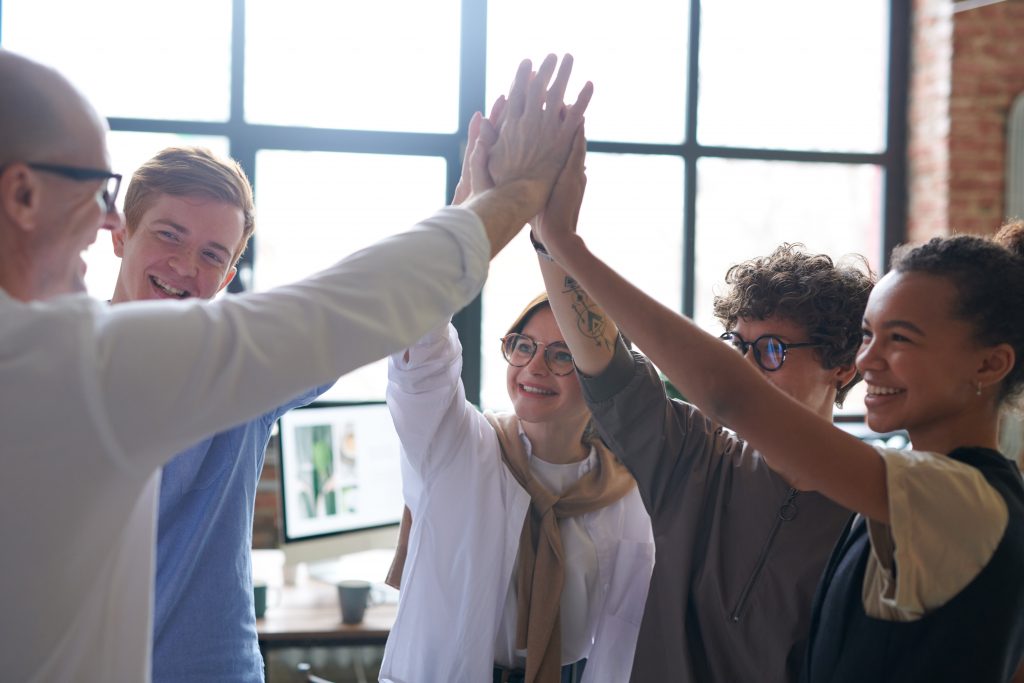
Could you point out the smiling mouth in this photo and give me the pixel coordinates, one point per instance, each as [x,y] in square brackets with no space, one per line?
[875,390]
[536,391]
[168,289]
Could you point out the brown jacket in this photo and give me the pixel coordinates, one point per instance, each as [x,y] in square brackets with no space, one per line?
[738,552]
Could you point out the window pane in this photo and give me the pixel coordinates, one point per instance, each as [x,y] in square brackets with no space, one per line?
[356,65]
[636,60]
[128,151]
[132,59]
[631,218]
[315,208]
[802,74]
[747,208]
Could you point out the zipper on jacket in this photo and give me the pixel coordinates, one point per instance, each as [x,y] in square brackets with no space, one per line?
[787,511]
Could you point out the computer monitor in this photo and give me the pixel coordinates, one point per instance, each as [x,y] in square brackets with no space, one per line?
[340,470]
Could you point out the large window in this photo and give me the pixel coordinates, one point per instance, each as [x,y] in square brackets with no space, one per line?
[717,130]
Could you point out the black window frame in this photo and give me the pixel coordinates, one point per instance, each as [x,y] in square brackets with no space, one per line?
[246,139]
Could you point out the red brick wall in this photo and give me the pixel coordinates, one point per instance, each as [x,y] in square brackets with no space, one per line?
[968,67]
[928,130]
[266,531]
[988,74]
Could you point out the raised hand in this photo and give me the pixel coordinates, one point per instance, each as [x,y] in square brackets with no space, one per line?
[475,177]
[537,130]
[559,218]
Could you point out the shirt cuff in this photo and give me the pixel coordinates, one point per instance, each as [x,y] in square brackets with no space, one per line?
[615,377]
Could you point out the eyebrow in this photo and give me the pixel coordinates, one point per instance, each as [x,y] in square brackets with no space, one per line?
[185,231]
[900,324]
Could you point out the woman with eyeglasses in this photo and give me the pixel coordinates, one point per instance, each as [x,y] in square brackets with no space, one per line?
[526,554]
[925,585]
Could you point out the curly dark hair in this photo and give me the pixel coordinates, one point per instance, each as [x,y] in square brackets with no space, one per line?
[810,290]
[988,277]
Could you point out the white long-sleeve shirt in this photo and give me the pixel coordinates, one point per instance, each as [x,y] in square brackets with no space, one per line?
[468,513]
[94,399]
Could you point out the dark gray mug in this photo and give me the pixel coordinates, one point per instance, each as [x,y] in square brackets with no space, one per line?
[354,596]
[259,594]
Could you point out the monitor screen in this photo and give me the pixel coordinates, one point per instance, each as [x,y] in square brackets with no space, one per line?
[340,469]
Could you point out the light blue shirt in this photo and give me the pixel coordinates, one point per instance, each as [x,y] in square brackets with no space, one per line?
[204,627]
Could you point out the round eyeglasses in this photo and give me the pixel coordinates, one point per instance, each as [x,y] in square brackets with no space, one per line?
[769,350]
[519,350]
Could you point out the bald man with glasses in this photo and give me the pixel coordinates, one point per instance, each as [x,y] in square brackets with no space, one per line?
[96,398]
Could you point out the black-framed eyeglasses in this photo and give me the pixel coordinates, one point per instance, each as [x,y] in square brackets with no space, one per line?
[519,350]
[108,192]
[769,350]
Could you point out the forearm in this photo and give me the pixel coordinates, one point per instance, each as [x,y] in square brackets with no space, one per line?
[697,363]
[224,362]
[588,331]
[505,209]
[730,390]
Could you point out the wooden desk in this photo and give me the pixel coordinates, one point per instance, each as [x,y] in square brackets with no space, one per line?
[310,616]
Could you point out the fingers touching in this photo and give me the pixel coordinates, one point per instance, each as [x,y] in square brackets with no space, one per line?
[479,175]
[517,93]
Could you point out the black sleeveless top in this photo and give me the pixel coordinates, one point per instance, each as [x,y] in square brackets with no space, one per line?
[976,637]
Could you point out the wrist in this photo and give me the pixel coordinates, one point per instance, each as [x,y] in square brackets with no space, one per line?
[505,209]
[539,248]
[563,248]
[524,198]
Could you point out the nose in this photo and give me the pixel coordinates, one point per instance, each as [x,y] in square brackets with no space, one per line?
[537,366]
[868,355]
[184,264]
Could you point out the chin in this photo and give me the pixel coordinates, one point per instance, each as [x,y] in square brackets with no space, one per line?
[74,286]
[526,415]
[881,424]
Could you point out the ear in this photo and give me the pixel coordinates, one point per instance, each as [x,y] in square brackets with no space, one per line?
[118,237]
[20,196]
[996,363]
[843,375]
[228,278]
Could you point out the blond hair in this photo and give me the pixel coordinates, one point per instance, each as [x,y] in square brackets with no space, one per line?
[190,172]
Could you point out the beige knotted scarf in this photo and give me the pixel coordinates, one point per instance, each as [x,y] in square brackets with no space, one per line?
[541,574]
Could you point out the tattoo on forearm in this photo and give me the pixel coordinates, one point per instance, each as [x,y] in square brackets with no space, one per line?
[590,320]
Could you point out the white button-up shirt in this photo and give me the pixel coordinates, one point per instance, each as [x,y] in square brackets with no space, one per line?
[468,512]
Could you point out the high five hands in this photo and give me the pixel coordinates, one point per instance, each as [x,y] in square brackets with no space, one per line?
[527,140]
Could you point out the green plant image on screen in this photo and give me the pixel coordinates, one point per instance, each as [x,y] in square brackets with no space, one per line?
[340,469]
[317,467]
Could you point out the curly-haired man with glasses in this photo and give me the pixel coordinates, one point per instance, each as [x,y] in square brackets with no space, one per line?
[739,550]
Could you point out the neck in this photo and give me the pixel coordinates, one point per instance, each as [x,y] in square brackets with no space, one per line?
[557,442]
[826,409]
[13,290]
[15,274]
[978,427]
[119,295]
